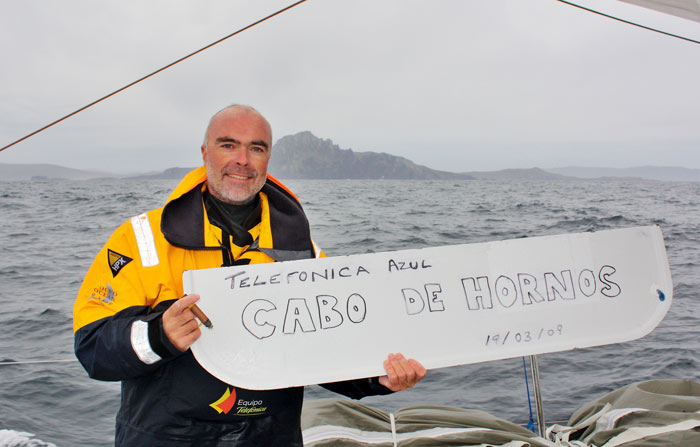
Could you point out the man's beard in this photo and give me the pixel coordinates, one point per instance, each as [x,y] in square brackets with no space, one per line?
[232,194]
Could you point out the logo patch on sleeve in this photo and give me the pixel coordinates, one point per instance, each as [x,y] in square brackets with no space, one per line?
[104,294]
[117,261]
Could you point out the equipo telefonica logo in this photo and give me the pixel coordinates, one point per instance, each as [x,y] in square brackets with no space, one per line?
[243,407]
[225,402]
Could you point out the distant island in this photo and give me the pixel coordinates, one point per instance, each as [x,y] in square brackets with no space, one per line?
[305,156]
[44,172]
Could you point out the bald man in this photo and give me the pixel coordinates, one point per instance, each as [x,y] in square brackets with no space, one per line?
[133,324]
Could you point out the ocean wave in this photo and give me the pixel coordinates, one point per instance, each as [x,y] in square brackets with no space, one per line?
[592,223]
[415,241]
[453,236]
[12,438]
[6,208]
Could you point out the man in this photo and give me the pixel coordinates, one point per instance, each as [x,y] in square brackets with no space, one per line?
[133,324]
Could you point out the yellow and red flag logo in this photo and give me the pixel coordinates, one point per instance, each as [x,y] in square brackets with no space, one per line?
[225,402]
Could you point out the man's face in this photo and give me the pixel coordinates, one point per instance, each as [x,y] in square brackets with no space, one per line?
[236,155]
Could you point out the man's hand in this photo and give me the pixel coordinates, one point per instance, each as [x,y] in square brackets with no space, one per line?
[179,323]
[401,373]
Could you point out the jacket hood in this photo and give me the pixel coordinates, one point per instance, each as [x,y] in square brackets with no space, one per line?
[192,179]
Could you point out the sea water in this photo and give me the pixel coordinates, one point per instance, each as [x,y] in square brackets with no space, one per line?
[51,231]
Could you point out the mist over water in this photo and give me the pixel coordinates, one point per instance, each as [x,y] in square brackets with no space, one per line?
[51,232]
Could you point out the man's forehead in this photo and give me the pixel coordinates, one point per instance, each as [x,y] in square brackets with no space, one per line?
[237,120]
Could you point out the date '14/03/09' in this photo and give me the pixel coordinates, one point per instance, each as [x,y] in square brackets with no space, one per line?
[524,336]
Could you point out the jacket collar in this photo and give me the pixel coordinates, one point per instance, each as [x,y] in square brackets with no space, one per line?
[184,220]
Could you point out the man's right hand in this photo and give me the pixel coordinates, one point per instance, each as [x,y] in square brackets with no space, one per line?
[179,323]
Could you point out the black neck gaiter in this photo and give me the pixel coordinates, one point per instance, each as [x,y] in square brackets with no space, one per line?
[235,220]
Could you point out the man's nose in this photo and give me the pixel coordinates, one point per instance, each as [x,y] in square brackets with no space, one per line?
[241,156]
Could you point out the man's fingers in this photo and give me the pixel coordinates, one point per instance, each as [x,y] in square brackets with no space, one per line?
[401,373]
[420,369]
[179,323]
[191,337]
[184,303]
[189,327]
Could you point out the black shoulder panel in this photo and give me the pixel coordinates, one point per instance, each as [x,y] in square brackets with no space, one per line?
[290,228]
[182,223]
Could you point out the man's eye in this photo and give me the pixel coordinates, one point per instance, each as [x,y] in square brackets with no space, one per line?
[227,145]
[258,149]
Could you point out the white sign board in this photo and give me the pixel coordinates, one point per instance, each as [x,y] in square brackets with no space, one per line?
[323,320]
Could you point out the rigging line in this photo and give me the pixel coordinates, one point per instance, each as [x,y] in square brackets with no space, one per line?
[628,22]
[287,8]
[531,422]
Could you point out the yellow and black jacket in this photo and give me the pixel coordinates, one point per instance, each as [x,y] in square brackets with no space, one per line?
[167,398]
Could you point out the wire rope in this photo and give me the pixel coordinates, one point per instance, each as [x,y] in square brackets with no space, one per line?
[629,22]
[165,67]
[531,423]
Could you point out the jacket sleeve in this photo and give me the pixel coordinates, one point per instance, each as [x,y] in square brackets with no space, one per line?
[358,388]
[117,321]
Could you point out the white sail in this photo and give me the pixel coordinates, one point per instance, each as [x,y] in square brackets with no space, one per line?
[687,9]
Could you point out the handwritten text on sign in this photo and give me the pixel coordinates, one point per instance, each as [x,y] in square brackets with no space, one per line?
[322,320]
[261,317]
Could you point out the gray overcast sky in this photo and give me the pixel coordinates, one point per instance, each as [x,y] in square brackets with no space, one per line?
[457,85]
